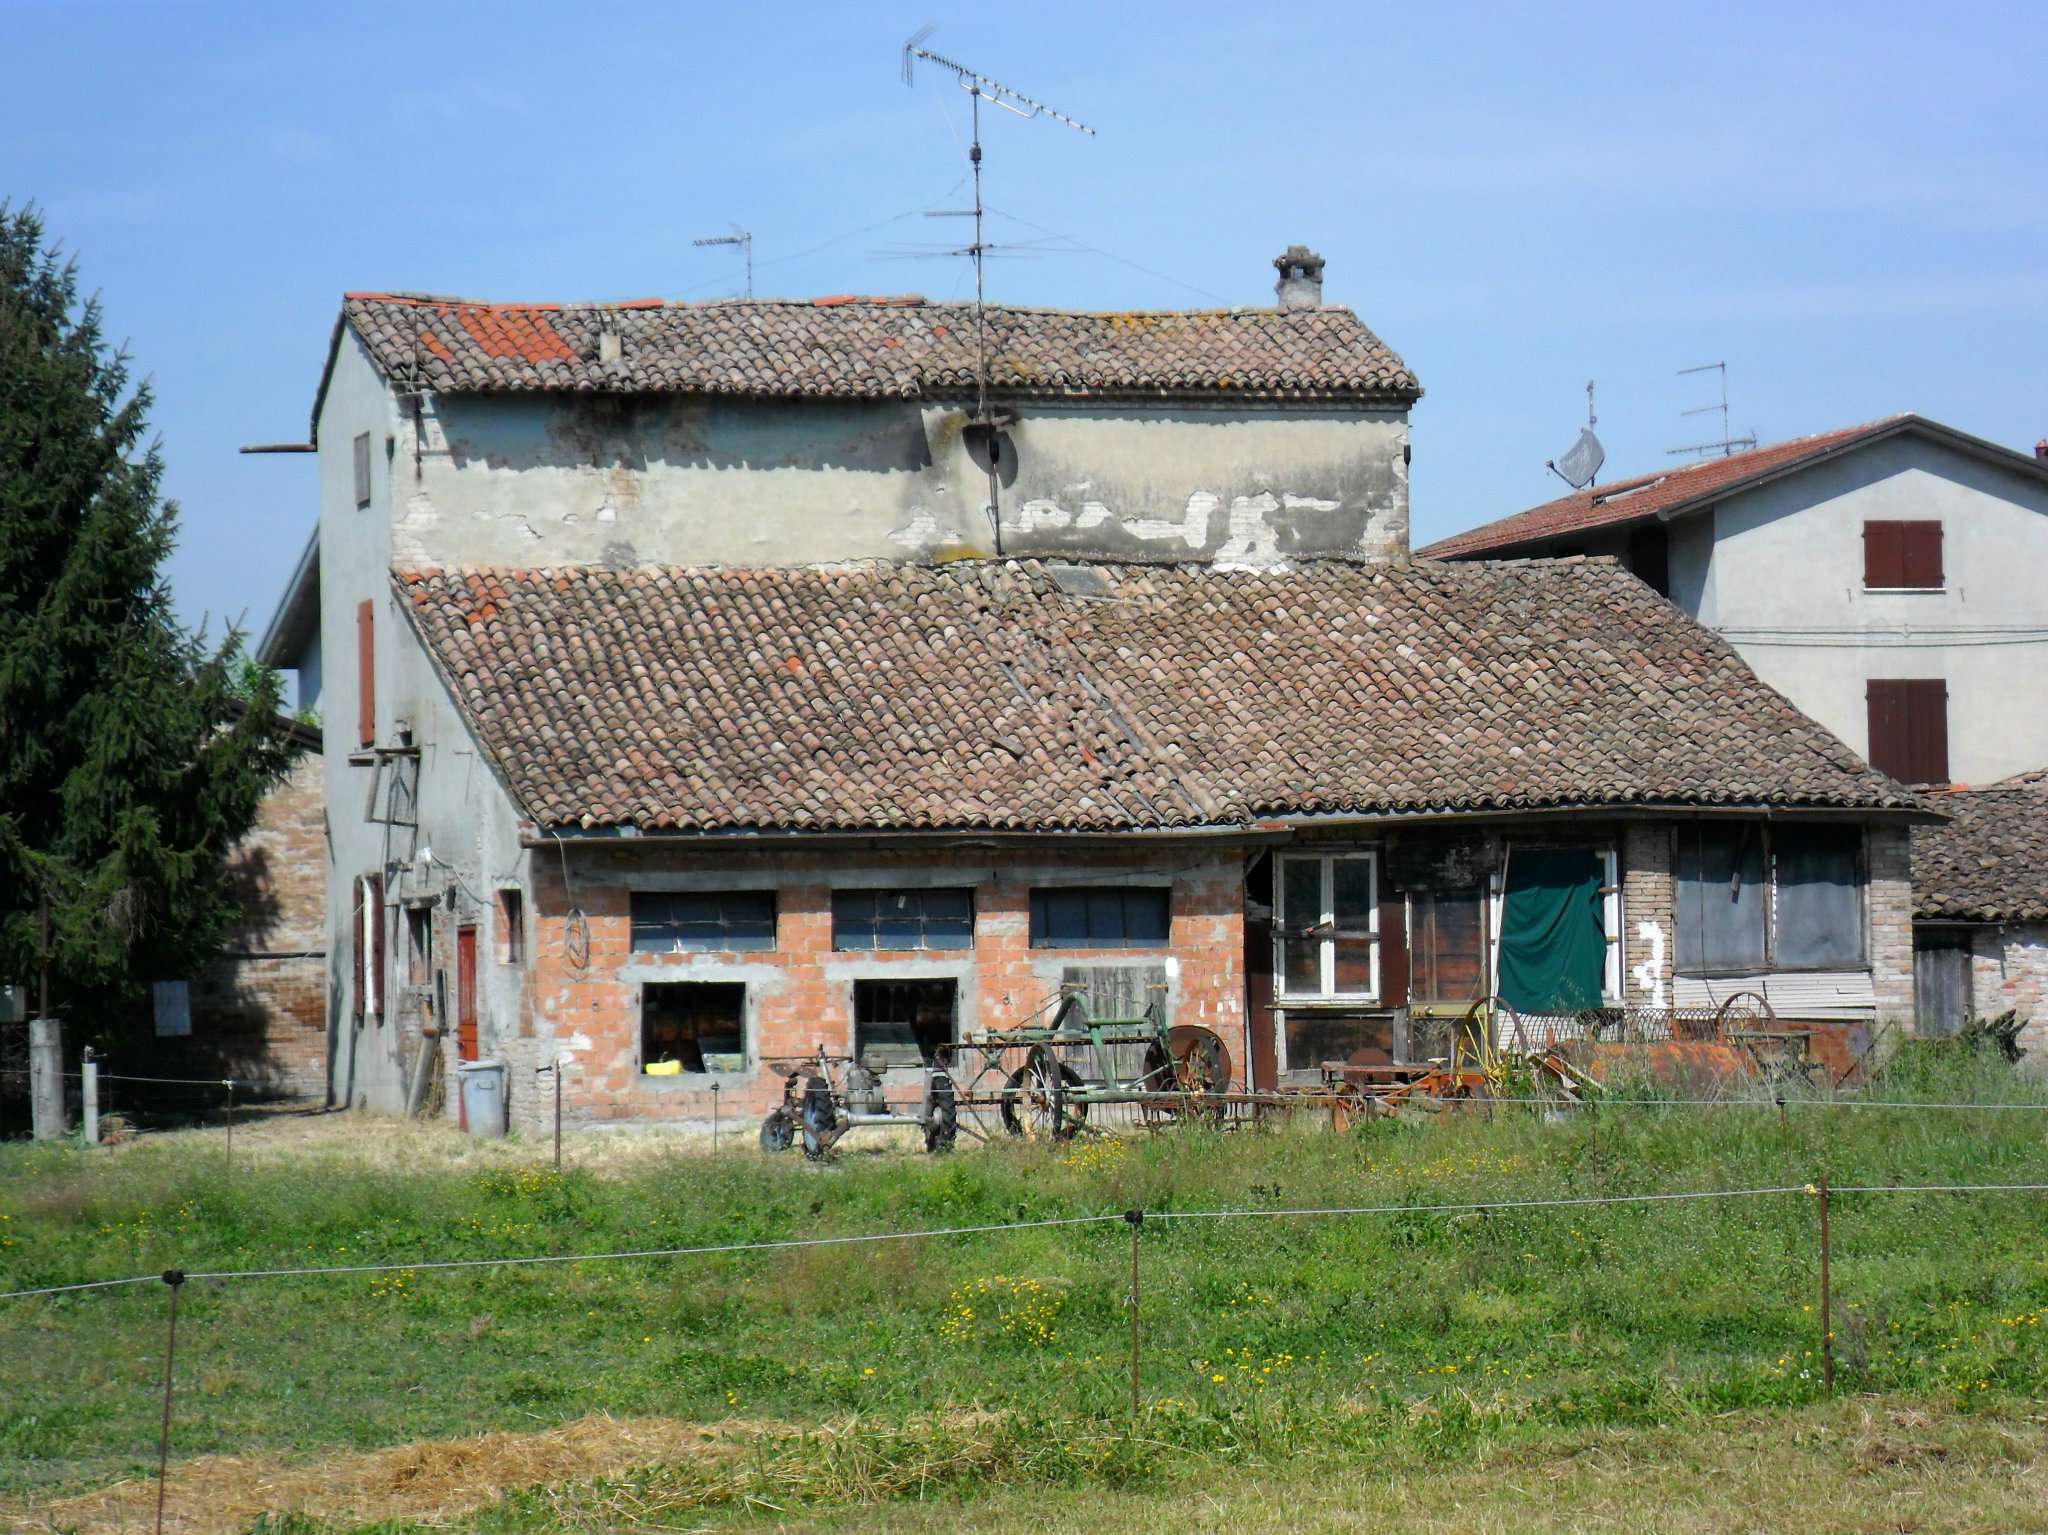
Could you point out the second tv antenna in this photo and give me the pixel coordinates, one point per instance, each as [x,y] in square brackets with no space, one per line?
[1727,444]
[744,240]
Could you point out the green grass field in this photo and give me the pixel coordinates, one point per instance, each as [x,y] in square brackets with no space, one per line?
[1276,1353]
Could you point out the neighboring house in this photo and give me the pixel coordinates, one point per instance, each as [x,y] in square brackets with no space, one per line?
[725,684]
[1889,579]
[1980,909]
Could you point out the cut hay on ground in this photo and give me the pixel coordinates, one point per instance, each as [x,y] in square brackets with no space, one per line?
[432,1479]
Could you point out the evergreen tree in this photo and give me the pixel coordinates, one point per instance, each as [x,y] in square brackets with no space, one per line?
[133,755]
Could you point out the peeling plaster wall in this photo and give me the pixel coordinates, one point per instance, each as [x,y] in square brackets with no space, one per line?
[618,481]
[460,810]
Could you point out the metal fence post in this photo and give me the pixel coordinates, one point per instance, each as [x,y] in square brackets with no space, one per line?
[89,1096]
[175,1278]
[1827,1328]
[229,1084]
[1136,1218]
[714,1119]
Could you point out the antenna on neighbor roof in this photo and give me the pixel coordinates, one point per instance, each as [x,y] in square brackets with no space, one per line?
[979,86]
[1582,460]
[1726,445]
[744,241]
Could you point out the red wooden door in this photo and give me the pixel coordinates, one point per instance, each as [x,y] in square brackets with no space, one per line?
[465,993]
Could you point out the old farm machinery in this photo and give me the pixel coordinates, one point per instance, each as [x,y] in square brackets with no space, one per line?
[1052,1077]
[1034,1080]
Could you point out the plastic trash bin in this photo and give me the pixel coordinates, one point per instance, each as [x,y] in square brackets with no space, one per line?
[483,1096]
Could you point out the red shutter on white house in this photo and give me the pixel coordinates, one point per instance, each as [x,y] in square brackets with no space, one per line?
[1909,728]
[366,673]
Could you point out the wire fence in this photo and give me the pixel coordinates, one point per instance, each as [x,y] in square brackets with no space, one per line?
[1820,1191]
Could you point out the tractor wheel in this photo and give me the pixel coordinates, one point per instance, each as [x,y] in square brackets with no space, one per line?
[820,1119]
[778,1131]
[942,1115]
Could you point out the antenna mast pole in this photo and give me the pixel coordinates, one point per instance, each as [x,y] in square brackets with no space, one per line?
[1727,444]
[745,241]
[977,86]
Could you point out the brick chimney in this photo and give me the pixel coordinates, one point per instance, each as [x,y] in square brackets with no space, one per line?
[2041,451]
[1301,278]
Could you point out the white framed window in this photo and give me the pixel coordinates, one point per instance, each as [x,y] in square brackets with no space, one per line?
[1326,927]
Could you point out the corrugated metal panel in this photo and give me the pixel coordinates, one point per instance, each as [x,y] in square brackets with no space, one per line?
[1814,994]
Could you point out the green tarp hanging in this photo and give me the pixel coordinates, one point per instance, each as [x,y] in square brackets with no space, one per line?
[1553,948]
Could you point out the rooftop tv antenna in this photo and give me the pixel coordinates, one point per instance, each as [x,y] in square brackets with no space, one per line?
[744,241]
[1582,460]
[1726,444]
[979,86]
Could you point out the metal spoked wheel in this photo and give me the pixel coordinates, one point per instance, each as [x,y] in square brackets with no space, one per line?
[778,1131]
[1038,1102]
[1194,1062]
[820,1119]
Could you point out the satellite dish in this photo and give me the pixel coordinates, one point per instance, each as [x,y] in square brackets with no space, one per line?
[1581,461]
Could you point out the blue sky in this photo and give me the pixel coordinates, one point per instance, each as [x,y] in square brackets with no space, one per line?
[1846,203]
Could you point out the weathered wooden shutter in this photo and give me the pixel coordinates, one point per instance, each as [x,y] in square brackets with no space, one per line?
[1920,554]
[366,673]
[362,468]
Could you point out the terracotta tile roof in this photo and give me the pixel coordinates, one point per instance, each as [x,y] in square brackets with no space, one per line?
[1647,495]
[997,695]
[1989,863]
[875,348]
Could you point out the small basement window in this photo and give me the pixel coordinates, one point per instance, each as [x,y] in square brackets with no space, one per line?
[694,921]
[902,919]
[1100,917]
[902,1023]
[697,1026]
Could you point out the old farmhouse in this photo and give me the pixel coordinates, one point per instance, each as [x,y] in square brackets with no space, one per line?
[709,683]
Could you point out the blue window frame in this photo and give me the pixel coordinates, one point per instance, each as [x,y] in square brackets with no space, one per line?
[902,919]
[1101,917]
[692,921]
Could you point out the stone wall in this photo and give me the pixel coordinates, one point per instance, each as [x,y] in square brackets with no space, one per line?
[259,1012]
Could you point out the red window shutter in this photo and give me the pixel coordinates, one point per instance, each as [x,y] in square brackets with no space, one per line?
[1920,554]
[1888,750]
[355,942]
[1909,728]
[375,897]
[1927,728]
[1393,950]
[1884,560]
[366,673]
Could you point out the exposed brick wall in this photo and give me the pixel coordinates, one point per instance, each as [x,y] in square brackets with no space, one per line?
[1646,915]
[2009,972]
[259,1012]
[800,993]
[1890,904]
